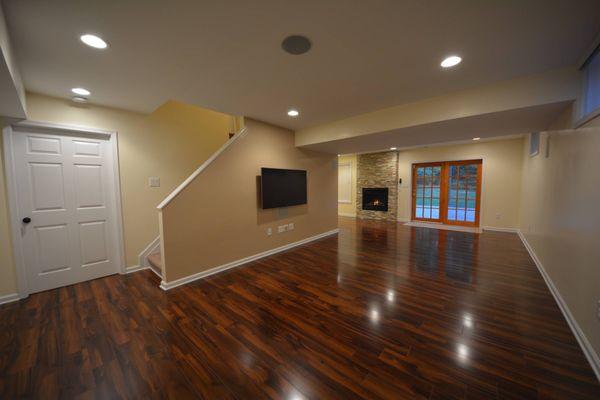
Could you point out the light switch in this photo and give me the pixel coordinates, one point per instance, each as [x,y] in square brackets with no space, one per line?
[154,181]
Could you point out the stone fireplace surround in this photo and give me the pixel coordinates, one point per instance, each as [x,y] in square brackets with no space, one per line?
[378,170]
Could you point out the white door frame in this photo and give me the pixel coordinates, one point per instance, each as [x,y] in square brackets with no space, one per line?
[23,288]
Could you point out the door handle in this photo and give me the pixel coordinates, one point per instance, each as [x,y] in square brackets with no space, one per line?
[26,220]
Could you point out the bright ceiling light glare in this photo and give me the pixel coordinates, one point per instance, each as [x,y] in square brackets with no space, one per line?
[451,61]
[79,99]
[81,91]
[374,314]
[93,41]
[293,113]
[468,321]
[476,138]
[393,148]
[463,352]
[391,296]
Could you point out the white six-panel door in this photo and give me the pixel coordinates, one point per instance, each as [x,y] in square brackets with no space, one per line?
[65,186]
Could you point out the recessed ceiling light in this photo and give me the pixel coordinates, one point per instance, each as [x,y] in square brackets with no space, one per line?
[451,61]
[93,41]
[293,113]
[476,138]
[79,99]
[296,44]
[81,91]
[339,155]
[392,148]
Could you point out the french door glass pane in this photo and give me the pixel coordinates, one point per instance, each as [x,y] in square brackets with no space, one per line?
[427,202]
[462,193]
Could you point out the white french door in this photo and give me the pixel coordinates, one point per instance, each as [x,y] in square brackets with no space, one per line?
[66,205]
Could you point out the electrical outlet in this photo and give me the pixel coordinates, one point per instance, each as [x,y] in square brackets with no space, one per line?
[269,231]
[291,226]
[498,216]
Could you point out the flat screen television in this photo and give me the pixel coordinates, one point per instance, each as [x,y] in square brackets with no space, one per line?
[282,187]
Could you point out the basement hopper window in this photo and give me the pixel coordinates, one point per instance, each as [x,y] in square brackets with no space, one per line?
[591,86]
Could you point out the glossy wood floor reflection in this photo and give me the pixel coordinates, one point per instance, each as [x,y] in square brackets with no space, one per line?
[383,311]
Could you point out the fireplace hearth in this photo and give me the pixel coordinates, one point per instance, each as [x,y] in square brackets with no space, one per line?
[375,199]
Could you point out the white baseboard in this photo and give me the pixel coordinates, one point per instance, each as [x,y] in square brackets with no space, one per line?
[437,225]
[182,281]
[9,298]
[155,272]
[152,248]
[136,268]
[346,215]
[499,229]
[586,346]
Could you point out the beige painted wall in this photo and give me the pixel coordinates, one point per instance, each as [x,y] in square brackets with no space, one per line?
[8,283]
[345,208]
[501,185]
[561,218]
[217,218]
[169,143]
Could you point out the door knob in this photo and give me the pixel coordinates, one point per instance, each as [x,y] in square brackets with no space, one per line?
[26,220]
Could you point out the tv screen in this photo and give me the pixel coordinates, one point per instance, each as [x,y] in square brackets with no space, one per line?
[282,187]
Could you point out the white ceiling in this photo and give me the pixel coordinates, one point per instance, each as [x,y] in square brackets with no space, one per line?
[226,55]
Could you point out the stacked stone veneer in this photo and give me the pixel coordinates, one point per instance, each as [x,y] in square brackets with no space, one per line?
[378,170]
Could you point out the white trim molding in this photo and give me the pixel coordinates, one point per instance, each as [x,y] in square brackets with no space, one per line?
[500,229]
[201,168]
[11,194]
[137,268]
[438,225]
[584,343]
[134,268]
[9,298]
[156,273]
[153,247]
[182,281]
[62,128]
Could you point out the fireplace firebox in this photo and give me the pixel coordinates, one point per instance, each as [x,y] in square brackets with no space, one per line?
[375,199]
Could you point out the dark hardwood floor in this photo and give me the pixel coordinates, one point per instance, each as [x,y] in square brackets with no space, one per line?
[382,311]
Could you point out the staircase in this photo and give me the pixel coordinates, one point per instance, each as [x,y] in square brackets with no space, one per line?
[151,256]
[155,262]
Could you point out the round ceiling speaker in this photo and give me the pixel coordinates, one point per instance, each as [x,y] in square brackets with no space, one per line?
[296,44]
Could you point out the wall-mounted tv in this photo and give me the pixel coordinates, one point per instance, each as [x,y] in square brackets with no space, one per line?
[282,187]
